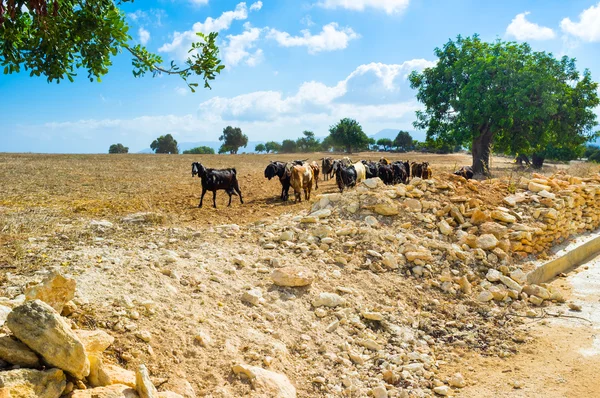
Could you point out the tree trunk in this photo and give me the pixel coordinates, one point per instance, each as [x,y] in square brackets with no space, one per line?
[481,153]
[537,161]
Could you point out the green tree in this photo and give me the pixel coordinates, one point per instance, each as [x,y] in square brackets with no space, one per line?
[386,143]
[165,144]
[56,39]
[260,148]
[502,93]
[348,134]
[403,141]
[288,146]
[118,148]
[272,146]
[200,150]
[233,139]
[308,143]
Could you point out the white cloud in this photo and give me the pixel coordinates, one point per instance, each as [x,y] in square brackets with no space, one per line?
[307,20]
[522,29]
[588,27]
[153,17]
[182,41]
[183,91]
[237,47]
[144,36]
[199,2]
[389,6]
[329,39]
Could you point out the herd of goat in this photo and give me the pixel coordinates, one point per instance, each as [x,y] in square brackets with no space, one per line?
[300,175]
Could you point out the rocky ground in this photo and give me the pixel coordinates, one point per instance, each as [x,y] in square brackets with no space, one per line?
[382,291]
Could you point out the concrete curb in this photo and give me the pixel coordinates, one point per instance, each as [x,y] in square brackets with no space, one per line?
[571,259]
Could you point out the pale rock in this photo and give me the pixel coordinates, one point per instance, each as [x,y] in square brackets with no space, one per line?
[292,276]
[321,313]
[17,353]
[169,394]
[55,290]
[286,236]
[575,307]
[457,380]
[511,284]
[181,387]
[371,221]
[503,216]
[143,335]
[373,183]
[203,338]
[252,296]
[143,384]
[373,253]
[29,383]
[309,220]
[518,384]
[69,308]
[327,241]
[535,300]
[42,329]
[267,382]
[547,195]
[114,391]
[418,255]
[324,213]
[445,228]
[535,187]
[519,276]
[94,341]
[465,285]
[353,207]
[487,242]
[370,344]
[111,374]
[379,392]
[332,326]
[413,204]
[485,296]
[417,270]
[328,300]
[498,230]
[390,261]
[386,209]
[4,311]
[493,275]
[442,390]
[101,226]
[373,316]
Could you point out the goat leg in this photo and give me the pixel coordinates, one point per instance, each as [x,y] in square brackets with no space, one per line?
[230,195]
[215,198]
[202,197]
[237,188]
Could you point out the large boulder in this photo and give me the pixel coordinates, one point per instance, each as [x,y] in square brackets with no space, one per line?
[29,383]
[115,391]
[17,353]
[292,276]
[267,382]
[55,290]
[42,329]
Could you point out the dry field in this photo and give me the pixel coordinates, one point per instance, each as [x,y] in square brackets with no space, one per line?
[194,270]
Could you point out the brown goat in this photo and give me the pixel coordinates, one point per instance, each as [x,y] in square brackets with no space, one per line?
[301,180]
[316,171]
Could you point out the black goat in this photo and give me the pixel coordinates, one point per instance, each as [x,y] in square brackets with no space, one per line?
[465,171]
[386,173]
[344,176]
[214,180]
[327,168]
[401,172]
[280,169]
[371,169]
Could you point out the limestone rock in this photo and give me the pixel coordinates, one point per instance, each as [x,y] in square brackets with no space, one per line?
[442,390]
[445,228]
[292,276]
[114,391]
[324,213]
[487,242]
[328,300]
[29,383]
[457,380]
[169,394]
[252,296]
[17,353]
[40,327]
[266,382]
[286,236]
[518,276]
[478,217]
[485,296]
[503,216]
[493,275]
[380,392]
[511,284]
[181,387]
[386,209]
[55,290]
[535,187]
[4,311]
[413,205]
[94,341]
[390,261]
[143,385]
[372,183]
[498,230]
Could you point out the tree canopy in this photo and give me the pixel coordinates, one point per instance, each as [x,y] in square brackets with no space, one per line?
[288,146]
[118,148]
[386,143]
[403,141]
[260,148]
[308,143]
[348,134]
[55,39]
[233,139]
[200,150]
[272,146]
[503,94]
[165,144]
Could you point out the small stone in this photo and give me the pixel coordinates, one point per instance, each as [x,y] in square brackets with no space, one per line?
[445,228]
[371,344]
[487,242]
[372,221]
[390,261]
[519,276]
[143,335]
[4,311]
[286,236]
[292,276]
[94,341]
[386,209]
[478,217]
[373,316]
[320,312]
[535,187]
[485,296]
[252,296]
[511,284]
[180,386]
[372,183]
[309,220]
[328,300]
[380,392]
[493,275]
[55,290]
[69,308]
[266,382]
[203,338]
[517,384]
[413,204]
[457,380]
[143,385]
[575,307]
[503,216]
[442,390]
[332,326]
[535,300]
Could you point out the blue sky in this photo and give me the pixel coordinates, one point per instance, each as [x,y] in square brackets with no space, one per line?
[291,66]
